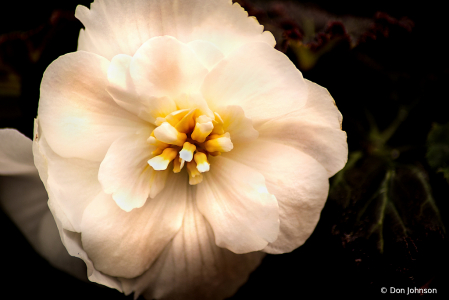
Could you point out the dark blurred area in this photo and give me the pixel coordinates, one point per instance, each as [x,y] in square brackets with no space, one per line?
[384,224]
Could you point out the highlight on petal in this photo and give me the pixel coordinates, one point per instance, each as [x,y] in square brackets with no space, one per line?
[192,266]
[125,244]
[235,201]
[121,27]
[314,129]
[300,184]
[258,78]
[78,116]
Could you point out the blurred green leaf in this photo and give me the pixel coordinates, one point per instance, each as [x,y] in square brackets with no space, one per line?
[438,149]
[384,203]
[387,219]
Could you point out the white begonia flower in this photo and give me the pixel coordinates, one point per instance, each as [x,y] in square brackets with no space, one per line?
[177,146]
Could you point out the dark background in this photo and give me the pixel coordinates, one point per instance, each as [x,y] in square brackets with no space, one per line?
[384,63]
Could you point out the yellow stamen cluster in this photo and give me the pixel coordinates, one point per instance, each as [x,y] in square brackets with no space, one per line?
[188,136]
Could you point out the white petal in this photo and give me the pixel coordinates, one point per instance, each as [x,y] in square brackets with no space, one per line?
[71,182]
[125,244]
[121,87]
[237,124]
[260,79]
[192,266]
[165,67]
[16,156]
[125,173]
[121,27]
[314,129]
[78,116]
[299,183]
[235,201]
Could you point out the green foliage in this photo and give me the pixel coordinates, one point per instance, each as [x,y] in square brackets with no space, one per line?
[438,149]
[384,204]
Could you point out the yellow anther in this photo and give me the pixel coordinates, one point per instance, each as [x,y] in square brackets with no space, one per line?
[178,164]
[198,131]
[176,116]
[187,151]
[161,162]
[218,125]
[157,151]
[187,122]
[202,164]
[168,134]
[155,142]
[203,128]
[220,143]
[195,176]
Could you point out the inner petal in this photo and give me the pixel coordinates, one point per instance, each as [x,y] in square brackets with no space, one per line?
[166,67]
[235,201]
[125,174]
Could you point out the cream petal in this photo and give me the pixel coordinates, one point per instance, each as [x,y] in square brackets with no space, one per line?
[299,183]
[165,67]
[192,266]
[260,79]
[122,89]
[121,27]
[207,53]
[71,182]
[314,129]
[76,112]
[15,153]
[235,201]
[125,173]
[237,124]
[125,244]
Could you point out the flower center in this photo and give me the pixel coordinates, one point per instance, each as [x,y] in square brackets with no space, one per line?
[188,137]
